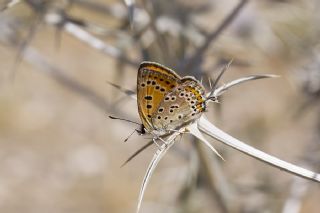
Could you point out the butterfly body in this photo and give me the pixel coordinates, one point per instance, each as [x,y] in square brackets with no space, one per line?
[167,102]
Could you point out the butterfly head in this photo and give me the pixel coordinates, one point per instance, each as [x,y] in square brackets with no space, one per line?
[141,130]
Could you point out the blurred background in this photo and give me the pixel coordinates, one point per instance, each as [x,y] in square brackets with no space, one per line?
[59,151]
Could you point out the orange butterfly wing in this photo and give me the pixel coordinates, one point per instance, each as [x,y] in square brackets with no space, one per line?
[154,81]
[181,106]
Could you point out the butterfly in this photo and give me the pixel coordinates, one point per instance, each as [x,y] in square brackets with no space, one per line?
[167,102]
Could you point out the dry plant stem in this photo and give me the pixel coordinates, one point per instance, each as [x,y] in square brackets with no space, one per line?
[130,5]
[208,128]
[26,41]
[165,50]
[153,164]
[298,189]
[97,44]
[79,33]
[210,177]
[101,8]
[58,19]
[8,4]
[193,61]
[37,60]
[137,152]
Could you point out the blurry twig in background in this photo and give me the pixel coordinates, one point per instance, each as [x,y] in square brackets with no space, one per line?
[113,10]
[195,59]
[130,5]
[59,18]
[7,4]
[37,60]
[26,42]
[96,43]
[309,81]
[215,178]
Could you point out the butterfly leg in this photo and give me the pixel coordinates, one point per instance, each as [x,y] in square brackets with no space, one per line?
[180,131]
[154,139]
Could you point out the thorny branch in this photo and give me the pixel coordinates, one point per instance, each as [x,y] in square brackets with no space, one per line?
[193,61]
[63,21]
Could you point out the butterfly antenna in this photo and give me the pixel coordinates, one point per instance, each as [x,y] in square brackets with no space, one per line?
[219,77]
[125,140]
[137,152]
[123,119]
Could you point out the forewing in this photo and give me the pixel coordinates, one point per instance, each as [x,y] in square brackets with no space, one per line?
[181,106]
[153,82]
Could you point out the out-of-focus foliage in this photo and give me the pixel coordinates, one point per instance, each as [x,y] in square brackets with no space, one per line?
[61,153]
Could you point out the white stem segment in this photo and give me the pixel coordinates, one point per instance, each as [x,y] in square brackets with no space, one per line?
[205,126]
[193,128]
[153,164]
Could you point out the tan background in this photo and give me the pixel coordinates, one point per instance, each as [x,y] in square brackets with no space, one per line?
[59,152]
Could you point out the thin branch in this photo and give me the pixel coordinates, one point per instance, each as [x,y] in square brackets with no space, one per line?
[137,152]
[130,4]
[96,43]
[67,23]
[208,128]
[153,164]
[194,60]
[206,164]
[298,189]
[26,42]
[114,10]
[222,89]
[8,4]
[37,60]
